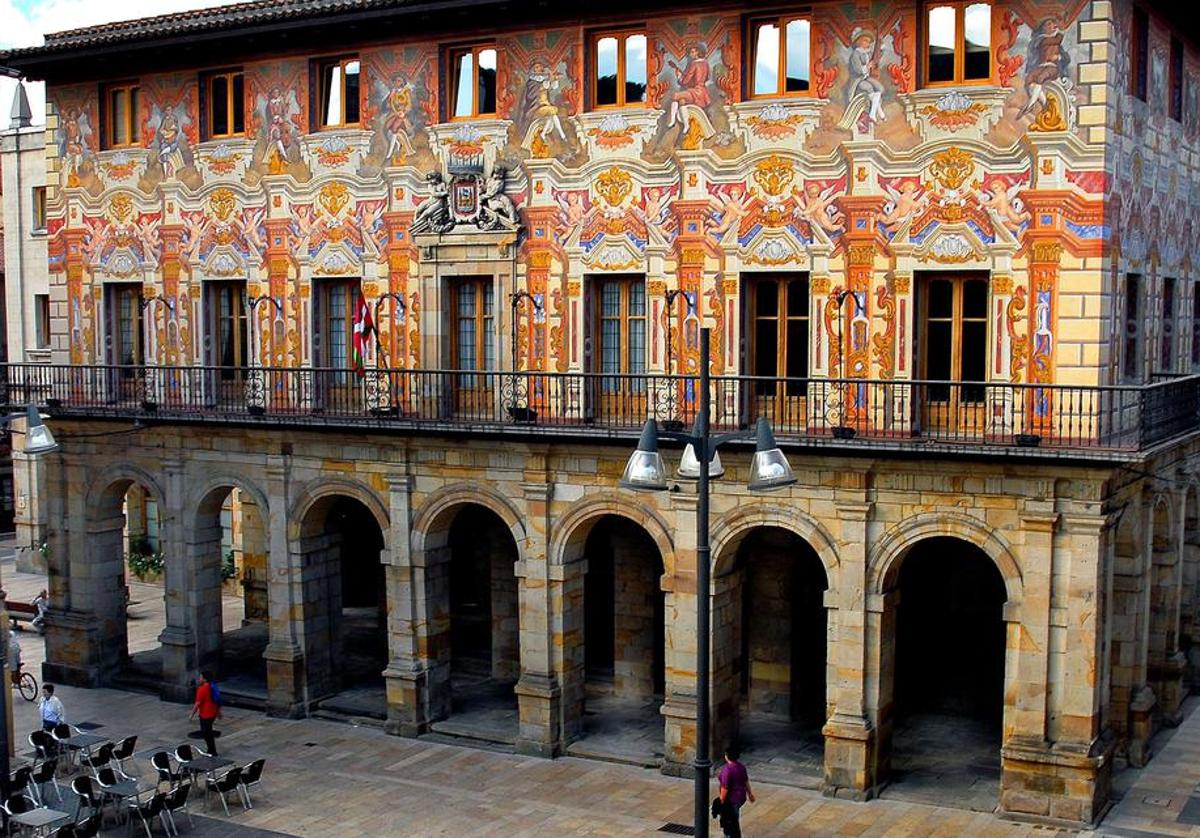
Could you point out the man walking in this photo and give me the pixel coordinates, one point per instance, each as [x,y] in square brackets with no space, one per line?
[51,708]
[735,790]
[208,709]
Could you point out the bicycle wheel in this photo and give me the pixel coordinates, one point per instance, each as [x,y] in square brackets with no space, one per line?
[28,686]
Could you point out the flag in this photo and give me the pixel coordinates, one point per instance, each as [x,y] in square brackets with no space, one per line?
[363,327]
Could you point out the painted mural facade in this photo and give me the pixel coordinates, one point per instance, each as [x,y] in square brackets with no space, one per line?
[871,180]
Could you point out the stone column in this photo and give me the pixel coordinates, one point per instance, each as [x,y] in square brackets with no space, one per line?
[29,487]
[567,639]
[1167,663]
[851,758]
[192,596]
[539,695]
[287,687]
[679,704]
[254,560]
[403,675]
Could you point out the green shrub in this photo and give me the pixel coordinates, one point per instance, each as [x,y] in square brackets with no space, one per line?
[143,560]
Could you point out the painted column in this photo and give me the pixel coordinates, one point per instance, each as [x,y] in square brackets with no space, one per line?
[538,690]
[855,314]
[850,753]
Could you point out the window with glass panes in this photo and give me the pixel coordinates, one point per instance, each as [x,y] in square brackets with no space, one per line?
[225,104]
[955,335]
[473,82]
[781,58]
[1195,323]
[618,69]
[125,324]
[779,332]
[473,311]
[338,92]
[1176,81]
[121,124]
[958,43]
[1167,338]
[1132,356]
[39,209]
[621,330]
[1139,50]
[227,301]
[41,312]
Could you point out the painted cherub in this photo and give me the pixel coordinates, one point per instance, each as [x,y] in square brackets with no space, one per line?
[573,212]
[819,207]
[731,206]
[1004,205]
[905,201]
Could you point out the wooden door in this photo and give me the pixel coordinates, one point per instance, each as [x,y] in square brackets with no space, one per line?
[472,306]
[125,340]
[336,386]
[953,342]
[619,356]
[777,349]
[229,350]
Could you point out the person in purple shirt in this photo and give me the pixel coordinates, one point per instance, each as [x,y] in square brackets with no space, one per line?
[735,791]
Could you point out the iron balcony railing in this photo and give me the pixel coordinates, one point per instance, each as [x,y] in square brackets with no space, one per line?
[1119,418]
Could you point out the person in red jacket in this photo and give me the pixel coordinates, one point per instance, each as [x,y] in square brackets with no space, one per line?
[207,708]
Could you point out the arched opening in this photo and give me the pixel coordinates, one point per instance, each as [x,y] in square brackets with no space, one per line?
[230,590]
[624,648]
[949,675]
[473,583]
[770,637]
[345,606]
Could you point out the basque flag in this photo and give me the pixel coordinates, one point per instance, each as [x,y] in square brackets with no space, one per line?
[363,327]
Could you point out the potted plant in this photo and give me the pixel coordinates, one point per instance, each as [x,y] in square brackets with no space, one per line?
[143,560]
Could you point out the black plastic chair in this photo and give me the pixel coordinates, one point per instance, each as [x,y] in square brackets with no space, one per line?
[186,753]
[15,805]
[176,801]
[231,782]
[44,745]
[87,794]
[251,776]
[89,827]
[124,751]
[21,780]
[46,772]
[100,758]
[161,762]
[148,810]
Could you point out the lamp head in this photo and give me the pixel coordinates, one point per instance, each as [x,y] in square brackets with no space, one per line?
[38,439]
[769,469]
[645,472]
[689,463]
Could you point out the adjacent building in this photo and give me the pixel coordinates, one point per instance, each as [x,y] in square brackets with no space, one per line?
[412,297]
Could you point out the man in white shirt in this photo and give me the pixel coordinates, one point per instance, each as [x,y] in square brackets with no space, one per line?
[51,708]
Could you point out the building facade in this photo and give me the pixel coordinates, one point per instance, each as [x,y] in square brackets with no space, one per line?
[413,299]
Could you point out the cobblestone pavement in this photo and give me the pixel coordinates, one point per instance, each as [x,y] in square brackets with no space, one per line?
[332,779]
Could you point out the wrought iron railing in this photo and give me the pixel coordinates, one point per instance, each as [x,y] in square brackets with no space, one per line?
[969,413]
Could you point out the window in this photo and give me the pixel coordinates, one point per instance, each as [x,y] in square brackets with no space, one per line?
[39,209]
[125,325]
[1167,347]
[227,325]
[473,82]
[779,335]
[1132,361]
[337,89]
[472,303]
[1140,53]
[781,58]
[225,95]
[955,337]
[958,43]
[41,326]
[1195,323]
[619,65]
[1176,83]
[621,333]
[122,127]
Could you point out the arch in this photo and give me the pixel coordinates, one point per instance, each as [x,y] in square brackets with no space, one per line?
[571,529]
[1162,527]
[102,487]
[729,531]
[886,555]
[436,514]
[196,499]
[325,488]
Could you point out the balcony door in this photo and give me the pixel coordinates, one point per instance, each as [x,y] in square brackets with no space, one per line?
[618,352]
[124,337]
[471,303]
[228,340]
[333,340]
[952,339]
[776,348]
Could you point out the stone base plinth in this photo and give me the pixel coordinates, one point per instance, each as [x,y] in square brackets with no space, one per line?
[1168,680]
[285,681]
[1059,784]
[1141,726]
[75,655]
[850,758]
[538,700]
[680,732]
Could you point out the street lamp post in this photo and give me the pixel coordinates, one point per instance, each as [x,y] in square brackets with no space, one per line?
[256,394]
[515,300]
[769,469]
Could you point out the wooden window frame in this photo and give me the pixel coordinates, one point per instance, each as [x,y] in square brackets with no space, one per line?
[1195,323]
[114,291]
[960,44]
[1175,71]
[228,75]
[319,65]
[41,325]
[1169,315]
[594,65]
[1132,341]
[751,42]
[781,286]
[1139,54]
[624,282]
[452,55]
[956,319]
[132,128]
[238,316]
[39,209]
[485,322]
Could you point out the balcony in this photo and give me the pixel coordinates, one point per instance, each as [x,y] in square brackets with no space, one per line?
[1084,422]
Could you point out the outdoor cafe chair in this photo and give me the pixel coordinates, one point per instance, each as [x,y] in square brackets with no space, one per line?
[147,810]
[176,801]
[89,827]
[124,751]
[186,753]
[161,761]
[100,759]
[43,744]
[46,772]
[20,781]
[251,776]
[15,805]
[231,782]
[87,794]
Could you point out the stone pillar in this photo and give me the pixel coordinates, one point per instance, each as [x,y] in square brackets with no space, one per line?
[29,487]
[191,638]
[539,694]
[851,738]
[1166,663]
[287,687]
[1189,619]
[635,589]
[679,702]
[254,560]
[567,647]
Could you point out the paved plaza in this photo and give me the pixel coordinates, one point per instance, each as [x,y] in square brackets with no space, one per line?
[326,778]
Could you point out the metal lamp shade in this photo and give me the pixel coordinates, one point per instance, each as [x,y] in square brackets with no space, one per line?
[769,469]
[38,439]
[645,471]
[689,465]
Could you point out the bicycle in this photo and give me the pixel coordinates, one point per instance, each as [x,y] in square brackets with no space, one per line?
[26,684]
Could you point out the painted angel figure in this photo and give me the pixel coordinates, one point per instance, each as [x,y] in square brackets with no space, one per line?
[903,202]
[1004,205]
[819,207]
[540,110]
[574,211]
[1047,61]
[74,134]
[252,219]
[195,227]
[730,206]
